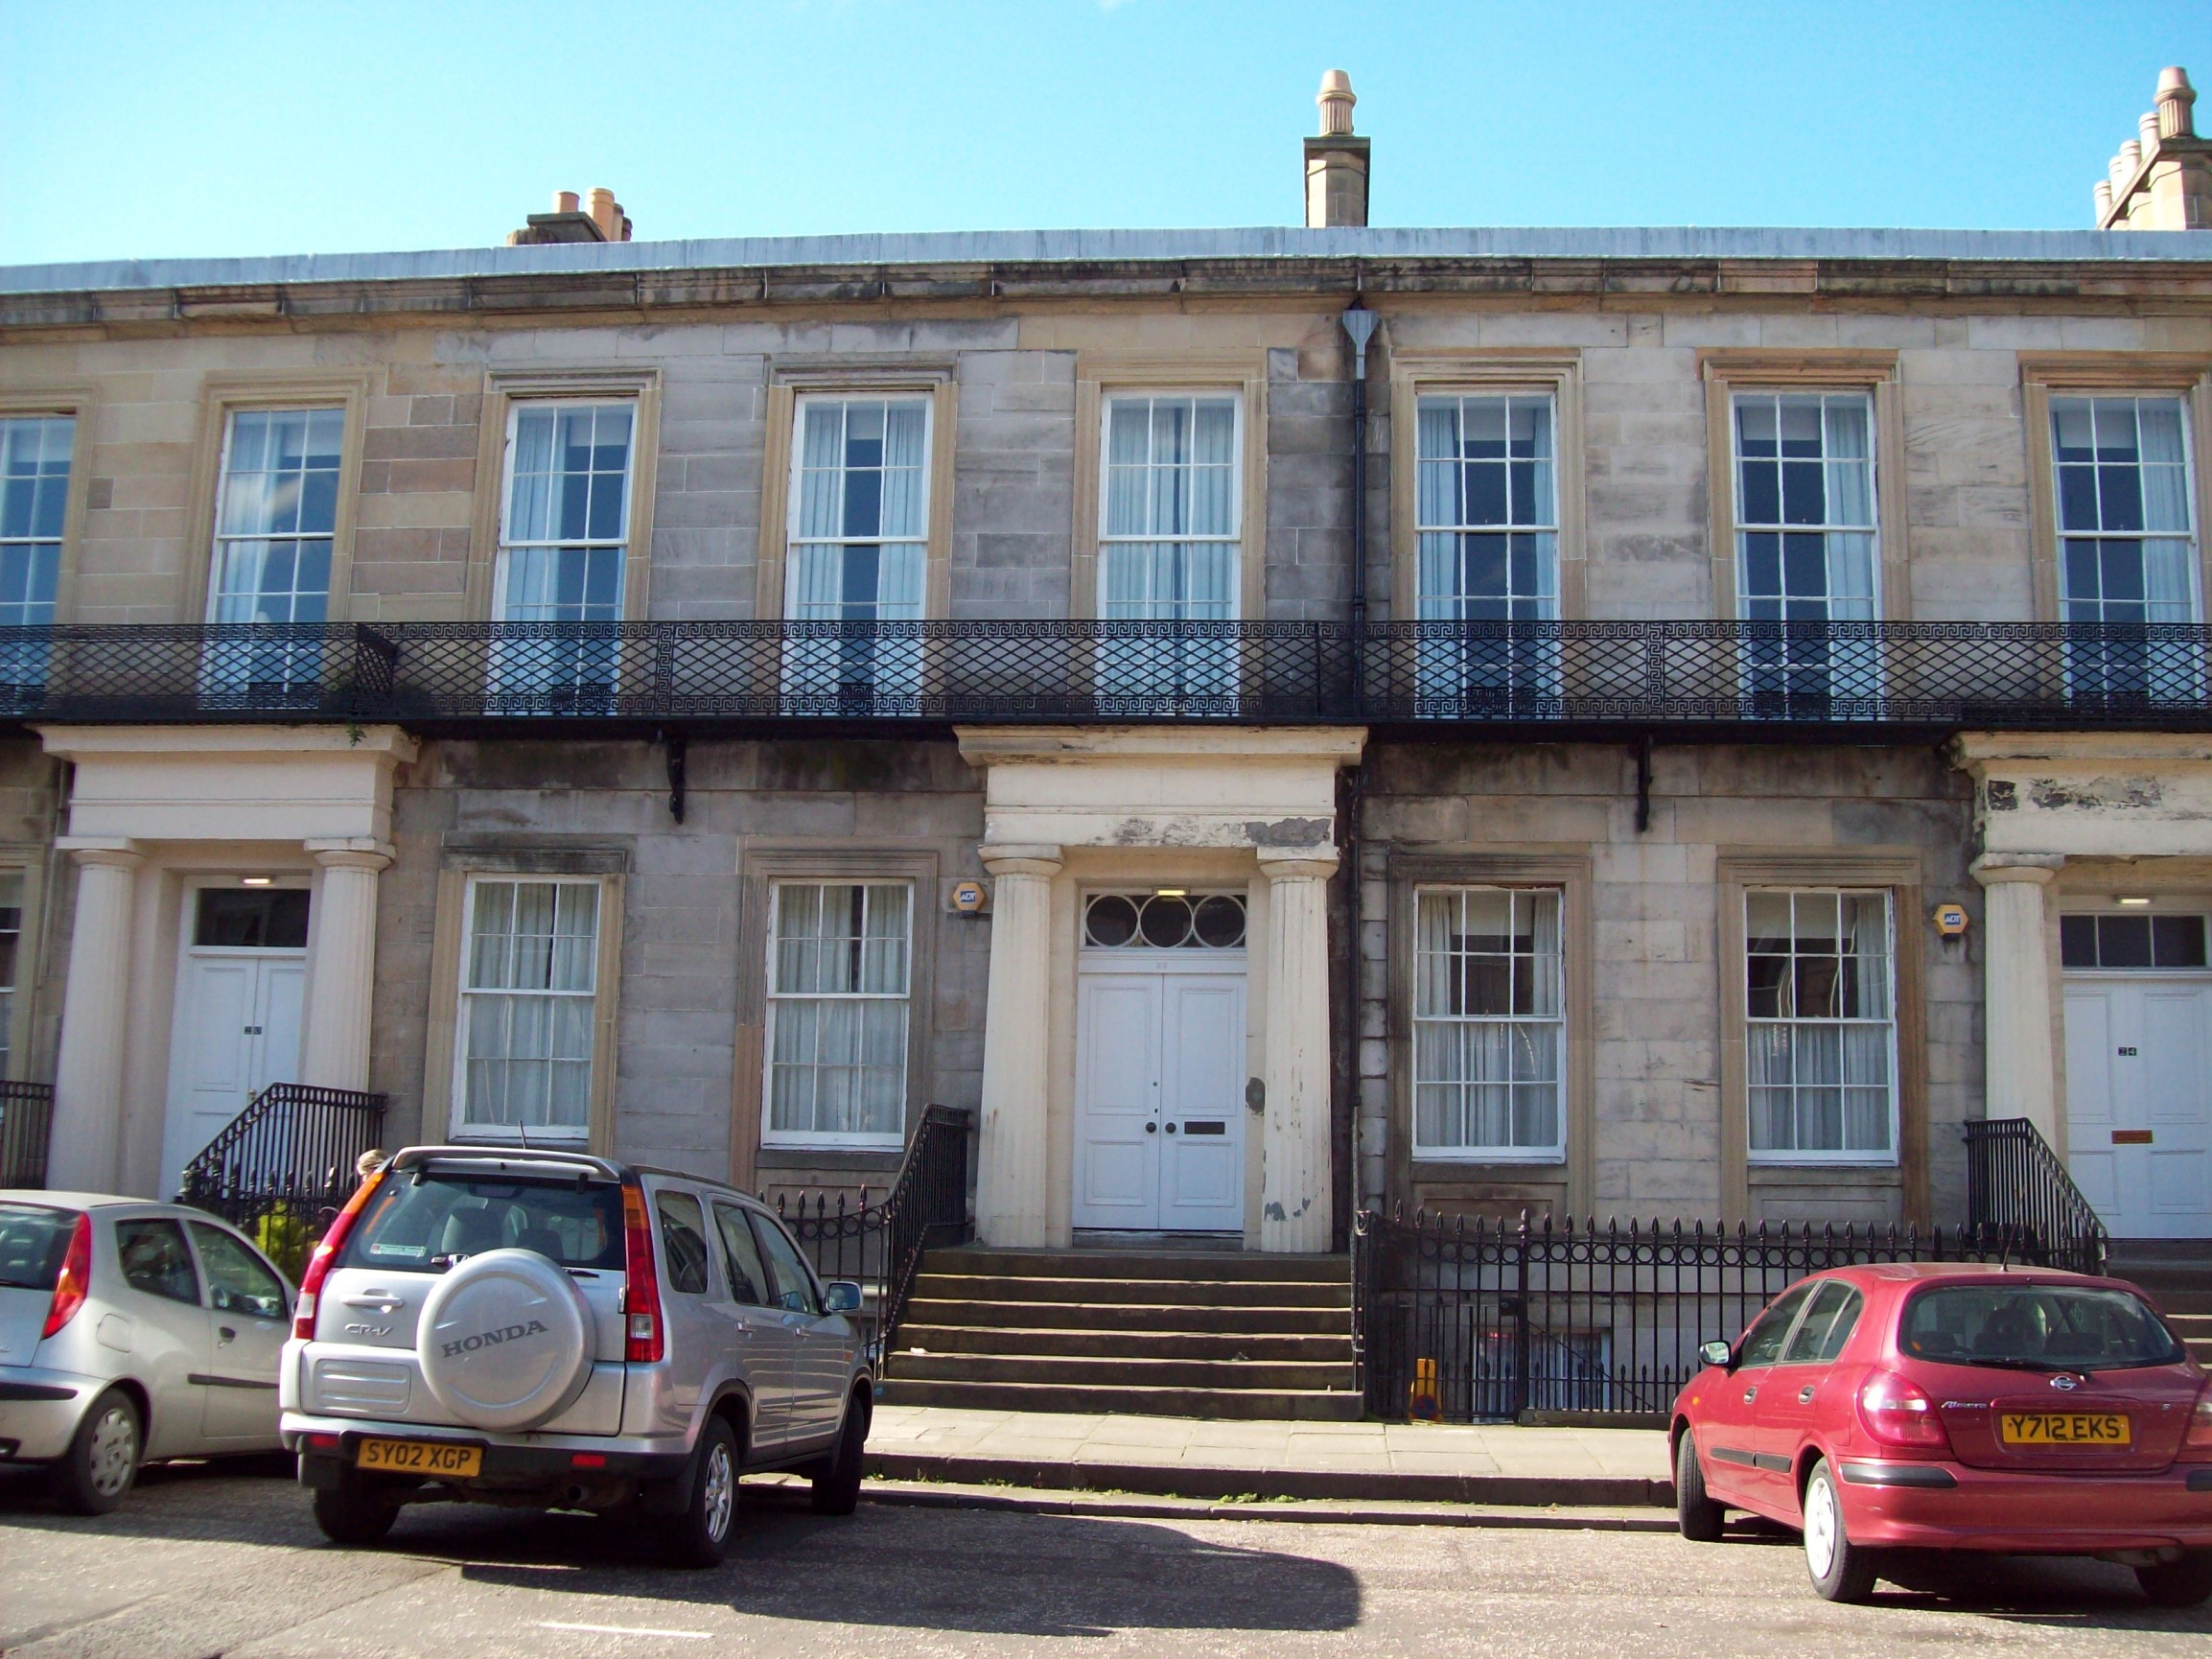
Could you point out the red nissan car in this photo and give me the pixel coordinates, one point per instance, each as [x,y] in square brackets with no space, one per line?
[1956,1407]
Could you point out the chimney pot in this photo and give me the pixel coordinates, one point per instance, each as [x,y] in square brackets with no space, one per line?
[2103,201]
[2175,101]
[564,201]
[600,204]
[1335,99]
[2128,161]
[2147,129]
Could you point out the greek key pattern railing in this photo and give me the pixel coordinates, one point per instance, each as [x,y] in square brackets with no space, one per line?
[2018,1191]
[26,1124]
[1645,675]
[1471,1319]
[881,1245]
[286,1165]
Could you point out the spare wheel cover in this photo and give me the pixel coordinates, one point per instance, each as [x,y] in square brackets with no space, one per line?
[504,1341]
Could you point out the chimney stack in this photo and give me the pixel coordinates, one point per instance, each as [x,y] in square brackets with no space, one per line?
[1336,161]
[596,217]
[2161,179]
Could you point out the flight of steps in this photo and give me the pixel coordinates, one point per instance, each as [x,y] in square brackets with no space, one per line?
[1184,1335]
[2178,1273]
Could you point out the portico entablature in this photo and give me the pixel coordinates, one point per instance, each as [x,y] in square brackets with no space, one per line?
[322,784]
[1160,787]
[2090,795]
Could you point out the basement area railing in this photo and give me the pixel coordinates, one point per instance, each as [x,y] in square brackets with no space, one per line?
[2018,1191]
[286,1165]
[26,1128]
[1749,676]
[1468,1320]
[881,1245]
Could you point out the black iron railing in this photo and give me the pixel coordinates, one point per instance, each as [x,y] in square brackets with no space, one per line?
[26,1126]
[286,1165]
[1746,676]
[2019,1192]
[1472,1320]
[881,1245]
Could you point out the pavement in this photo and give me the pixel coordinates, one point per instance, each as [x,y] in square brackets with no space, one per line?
[208,1562]
[1213,1458]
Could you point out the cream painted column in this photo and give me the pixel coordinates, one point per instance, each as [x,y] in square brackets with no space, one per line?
[1011,1178]
[333,1051]
[88,1141]
[2022,1070]
[1294,1182]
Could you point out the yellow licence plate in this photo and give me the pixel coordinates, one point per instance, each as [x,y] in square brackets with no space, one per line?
[421,1457]
[2064,1429]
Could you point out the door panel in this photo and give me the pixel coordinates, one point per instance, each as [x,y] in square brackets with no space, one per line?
[1117,1152]
[1202,1146]
[235,1032]
[2139,1103]
[760,1334]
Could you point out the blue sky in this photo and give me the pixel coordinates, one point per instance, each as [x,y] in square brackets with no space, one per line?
[186,128]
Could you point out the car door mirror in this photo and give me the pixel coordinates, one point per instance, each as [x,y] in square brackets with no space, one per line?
[1717,1354]
[840,1297]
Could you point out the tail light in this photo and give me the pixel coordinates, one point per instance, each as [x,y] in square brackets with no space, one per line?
[1897,1412]
[2197,1443]
[326,1253]
[74,1281]
[642,1341]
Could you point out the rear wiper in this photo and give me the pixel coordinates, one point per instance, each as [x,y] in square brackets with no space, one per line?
[2021,1364]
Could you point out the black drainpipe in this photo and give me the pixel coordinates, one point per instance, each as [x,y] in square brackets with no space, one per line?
[1358,324]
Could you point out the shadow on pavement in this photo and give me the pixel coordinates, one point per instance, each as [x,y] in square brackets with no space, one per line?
[1020,1574]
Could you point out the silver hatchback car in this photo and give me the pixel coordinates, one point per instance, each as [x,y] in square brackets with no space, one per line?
[552,1330]
[129,1331]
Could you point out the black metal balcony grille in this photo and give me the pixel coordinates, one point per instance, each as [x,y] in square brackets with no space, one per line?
[1751,678]
[26,1130]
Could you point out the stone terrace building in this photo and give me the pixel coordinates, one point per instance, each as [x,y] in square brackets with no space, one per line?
[1750,721]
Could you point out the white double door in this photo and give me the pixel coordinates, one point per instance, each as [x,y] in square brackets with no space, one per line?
[2139,1102]
[237,1031]
[1159,1130]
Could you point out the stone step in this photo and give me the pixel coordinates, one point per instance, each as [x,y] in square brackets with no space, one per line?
[1245,1404]
[1239,1266]
[1132,1317]
[1256,1344]
[1083,1371]
[1135,1293]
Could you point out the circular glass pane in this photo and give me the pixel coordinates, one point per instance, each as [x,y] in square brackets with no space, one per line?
[1167,921]
[1220,922]
[1111,921]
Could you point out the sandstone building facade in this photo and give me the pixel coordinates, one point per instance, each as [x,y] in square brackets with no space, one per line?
[704,701]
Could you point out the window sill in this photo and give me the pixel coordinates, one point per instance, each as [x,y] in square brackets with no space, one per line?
[550,1140]
[1430,1166]
[1778,1173]
[784,1156]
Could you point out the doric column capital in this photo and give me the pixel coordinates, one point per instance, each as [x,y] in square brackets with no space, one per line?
[115,851]
[1020,858]
[1292,864]
[356,854]
[2037,868]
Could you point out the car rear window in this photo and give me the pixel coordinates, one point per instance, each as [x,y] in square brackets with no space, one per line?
[33,1241]
[2038,1327]
[424,1222]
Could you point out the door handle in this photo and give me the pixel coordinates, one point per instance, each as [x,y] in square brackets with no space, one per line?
[1171,1129]
[1152,1129]
[1749,1395]
[1804,1397]
[224,1334]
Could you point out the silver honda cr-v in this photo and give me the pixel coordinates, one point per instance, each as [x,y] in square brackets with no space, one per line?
[552,1330]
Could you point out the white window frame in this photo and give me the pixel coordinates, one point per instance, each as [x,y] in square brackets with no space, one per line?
[1233,539]
[1425,1151]
[566,1134]
[2101,535]
[1452,607]
[32,544]
[796,545]
[1828,526]
[1792,1158]
[817,1140]
[222,541]
[516,407]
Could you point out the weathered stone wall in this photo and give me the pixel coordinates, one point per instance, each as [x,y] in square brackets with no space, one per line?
[1655,1007]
